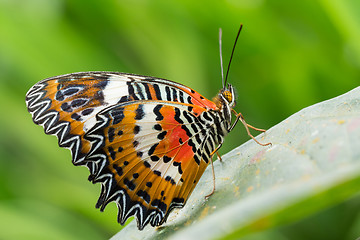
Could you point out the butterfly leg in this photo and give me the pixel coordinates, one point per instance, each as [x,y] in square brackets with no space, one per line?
[219,157]
[240,117]
[213,172]
[212,168]
[255,128]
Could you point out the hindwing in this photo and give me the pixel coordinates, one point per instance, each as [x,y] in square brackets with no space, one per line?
[147,157]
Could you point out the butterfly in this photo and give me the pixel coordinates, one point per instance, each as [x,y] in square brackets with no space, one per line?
[146,140]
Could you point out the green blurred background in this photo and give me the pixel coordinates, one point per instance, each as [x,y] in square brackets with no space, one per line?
[291,54]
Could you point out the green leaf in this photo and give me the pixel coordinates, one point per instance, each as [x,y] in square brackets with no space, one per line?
[313,164]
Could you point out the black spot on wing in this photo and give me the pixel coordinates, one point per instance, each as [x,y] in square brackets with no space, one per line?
[189,100]
[70,91]
[147,164]
[156,110]
[180,170]
[118,169]
[166,159]
[177,116]
[192,145]
[159,204]
[59,96]
[136,129]
[117,114]
[170,179]
[112,153]
[157,127]
[66,107]
[161,135]
[111,134]
[144,195]
[178,165]
[87,111]
[76,117]
[152,149]
[78,102]
[197,160]
[154,158]
[139,112]
[129,184]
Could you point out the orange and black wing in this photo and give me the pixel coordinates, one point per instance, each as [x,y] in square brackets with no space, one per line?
[66,105]
[149,157]
[122,126]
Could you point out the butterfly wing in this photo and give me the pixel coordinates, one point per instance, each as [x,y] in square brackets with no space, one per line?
[74,107]
[66,105]
[148,157]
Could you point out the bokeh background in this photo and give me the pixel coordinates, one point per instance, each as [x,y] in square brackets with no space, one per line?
[291,54]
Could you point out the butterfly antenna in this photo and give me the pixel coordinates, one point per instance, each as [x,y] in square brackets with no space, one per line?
[232,54]
[221,60]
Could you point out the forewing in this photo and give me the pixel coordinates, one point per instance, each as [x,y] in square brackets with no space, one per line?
[66,105]
[148,157]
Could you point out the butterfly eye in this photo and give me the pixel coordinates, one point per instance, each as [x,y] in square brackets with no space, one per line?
[228,96]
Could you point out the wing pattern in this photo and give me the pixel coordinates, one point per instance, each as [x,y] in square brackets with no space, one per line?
[66,105]
[150,161]
[146,140]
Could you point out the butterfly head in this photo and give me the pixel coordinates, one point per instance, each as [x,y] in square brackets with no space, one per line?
[225,101]
[226,97]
